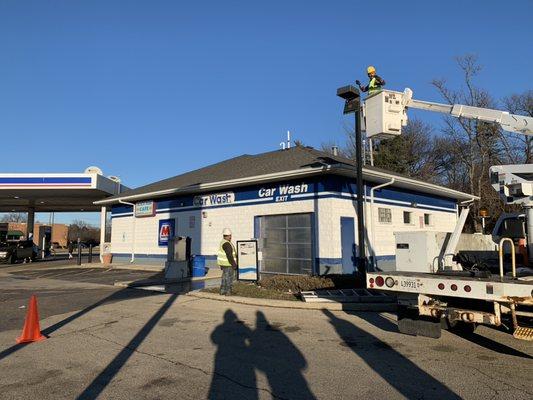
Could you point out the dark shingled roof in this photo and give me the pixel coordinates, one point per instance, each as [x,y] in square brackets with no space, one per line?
[248,166]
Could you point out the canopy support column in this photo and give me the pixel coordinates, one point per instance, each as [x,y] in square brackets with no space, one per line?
[103,223]
[30,223]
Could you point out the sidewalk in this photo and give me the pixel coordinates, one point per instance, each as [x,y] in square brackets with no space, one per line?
[376,307]
[212,274]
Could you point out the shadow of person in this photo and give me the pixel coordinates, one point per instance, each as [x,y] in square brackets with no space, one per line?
[280,360]
[398,371]
[234,373]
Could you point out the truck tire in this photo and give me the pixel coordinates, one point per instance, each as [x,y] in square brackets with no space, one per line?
[13,258]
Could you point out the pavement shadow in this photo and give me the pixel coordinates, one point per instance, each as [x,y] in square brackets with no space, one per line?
[242,350]
[378,320]
[387,325]
[397,370]
[103,379]
[492,345]
[123,294]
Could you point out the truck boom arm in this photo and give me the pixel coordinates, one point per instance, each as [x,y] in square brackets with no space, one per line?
[509,122]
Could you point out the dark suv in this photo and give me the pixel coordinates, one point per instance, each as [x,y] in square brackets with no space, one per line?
[10,252]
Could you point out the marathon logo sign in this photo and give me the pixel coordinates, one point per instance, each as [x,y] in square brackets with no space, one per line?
[283,192]
[214,199]
[166,231]
[144,209]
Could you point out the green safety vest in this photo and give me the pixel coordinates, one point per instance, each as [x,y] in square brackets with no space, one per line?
[373,87]
[222,258]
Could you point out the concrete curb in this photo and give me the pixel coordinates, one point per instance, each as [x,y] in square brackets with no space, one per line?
[376,307]
[134,267]
[145,282]
[160,281]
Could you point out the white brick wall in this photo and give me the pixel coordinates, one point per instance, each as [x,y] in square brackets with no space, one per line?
[206,234]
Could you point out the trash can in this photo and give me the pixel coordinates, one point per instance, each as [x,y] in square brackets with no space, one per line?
[198,266]
[108,258]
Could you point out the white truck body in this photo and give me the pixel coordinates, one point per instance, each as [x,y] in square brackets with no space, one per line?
[460,298]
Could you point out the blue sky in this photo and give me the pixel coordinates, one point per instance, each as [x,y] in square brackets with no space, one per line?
[150,89]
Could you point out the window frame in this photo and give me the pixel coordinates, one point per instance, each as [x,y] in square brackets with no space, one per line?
[410,213]
[390,215]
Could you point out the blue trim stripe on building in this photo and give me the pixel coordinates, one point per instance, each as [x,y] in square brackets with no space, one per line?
[331,187]
[44,181]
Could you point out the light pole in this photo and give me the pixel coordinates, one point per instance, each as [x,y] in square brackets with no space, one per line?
[352,104]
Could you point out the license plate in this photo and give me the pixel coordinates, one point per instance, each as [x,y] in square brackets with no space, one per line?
[409,284]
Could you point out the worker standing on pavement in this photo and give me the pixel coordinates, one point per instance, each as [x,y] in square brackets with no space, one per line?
[375,83]
[227,261]
[70,249]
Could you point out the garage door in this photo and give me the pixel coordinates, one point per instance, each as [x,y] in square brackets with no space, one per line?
[287,244]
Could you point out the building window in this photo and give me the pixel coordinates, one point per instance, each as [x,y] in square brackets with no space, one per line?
[385,215]
[287,243]
[407,217]
[427,219]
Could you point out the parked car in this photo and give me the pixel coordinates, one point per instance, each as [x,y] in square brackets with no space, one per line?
[13,251]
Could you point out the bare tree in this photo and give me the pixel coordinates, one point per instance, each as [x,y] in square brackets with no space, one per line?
[83,230]
[519,147]
[14,217]
[476,144]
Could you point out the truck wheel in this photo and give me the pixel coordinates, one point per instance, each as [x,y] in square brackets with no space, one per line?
[461,327]
[13,259]
[33,256]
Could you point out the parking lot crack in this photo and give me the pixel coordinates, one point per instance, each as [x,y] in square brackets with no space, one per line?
[181,364]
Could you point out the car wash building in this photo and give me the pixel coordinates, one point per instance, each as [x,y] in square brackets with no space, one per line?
[299,203]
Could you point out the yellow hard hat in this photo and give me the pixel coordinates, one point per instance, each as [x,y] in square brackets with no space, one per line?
[370,70]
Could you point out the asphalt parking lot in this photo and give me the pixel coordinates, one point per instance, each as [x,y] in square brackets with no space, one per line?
[115,343]
[61,296]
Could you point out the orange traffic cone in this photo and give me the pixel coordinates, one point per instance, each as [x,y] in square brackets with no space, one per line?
[31,331]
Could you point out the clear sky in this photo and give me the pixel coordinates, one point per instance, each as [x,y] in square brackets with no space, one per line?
[150,89]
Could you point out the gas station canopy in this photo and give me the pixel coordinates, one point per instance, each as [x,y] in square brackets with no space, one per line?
[69,192]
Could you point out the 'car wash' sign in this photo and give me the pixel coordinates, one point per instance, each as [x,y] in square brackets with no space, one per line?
[283,192]
[217,199]
[144,209]
[166,231]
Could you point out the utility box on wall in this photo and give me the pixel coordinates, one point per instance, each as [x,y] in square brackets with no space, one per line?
[418,251]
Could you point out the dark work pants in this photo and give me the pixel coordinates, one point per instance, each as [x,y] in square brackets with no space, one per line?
[228,275]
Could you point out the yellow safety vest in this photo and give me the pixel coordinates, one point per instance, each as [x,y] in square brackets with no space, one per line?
[222,258]
[373,87]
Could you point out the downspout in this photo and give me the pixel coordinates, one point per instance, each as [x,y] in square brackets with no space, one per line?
[133,229]
[372,189]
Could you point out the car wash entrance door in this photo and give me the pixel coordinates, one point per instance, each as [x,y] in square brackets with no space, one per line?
[286,243]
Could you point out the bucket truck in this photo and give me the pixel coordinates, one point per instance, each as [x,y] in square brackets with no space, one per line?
[455,297]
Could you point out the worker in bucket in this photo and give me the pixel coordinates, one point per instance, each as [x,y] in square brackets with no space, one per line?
[227,261]
[375,83]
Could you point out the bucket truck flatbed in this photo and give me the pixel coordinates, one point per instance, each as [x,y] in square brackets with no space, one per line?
[494,288]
